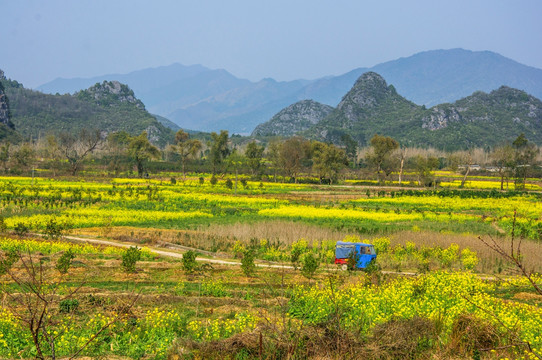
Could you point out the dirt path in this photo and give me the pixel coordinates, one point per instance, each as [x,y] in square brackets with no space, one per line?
[178,255]
[169,253]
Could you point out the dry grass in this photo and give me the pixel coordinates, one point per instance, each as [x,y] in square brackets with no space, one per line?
[489,260]
[285,231]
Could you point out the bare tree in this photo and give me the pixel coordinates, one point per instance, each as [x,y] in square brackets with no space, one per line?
[40,292]
[76,149]
[513,255]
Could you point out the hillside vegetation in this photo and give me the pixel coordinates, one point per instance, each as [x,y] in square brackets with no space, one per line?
[109,107]
[480,120]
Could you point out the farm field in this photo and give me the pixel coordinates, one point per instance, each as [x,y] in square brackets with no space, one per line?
[465,299]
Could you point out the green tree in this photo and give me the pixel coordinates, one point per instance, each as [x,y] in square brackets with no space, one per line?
[186,148]
[219,150]
[524,158]
[5,155]
[351,148]
[292,154]
[24,156]
[424,167]
[141,150]
[254,156]
[273,156]
[380,157]
[328,160]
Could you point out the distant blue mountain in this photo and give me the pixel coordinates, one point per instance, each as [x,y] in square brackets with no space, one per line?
[199,98]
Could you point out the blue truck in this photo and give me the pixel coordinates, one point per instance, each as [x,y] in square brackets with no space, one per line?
[363,253]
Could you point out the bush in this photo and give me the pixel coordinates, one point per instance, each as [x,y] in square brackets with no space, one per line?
[21,229]
[213,180]
[353,259]
[173,181]
[130,257]
[68,305]
[297,248]
[53,229]
[64,262]
[229,184]
[247,263]
[189,261]
[310,265]
[201,180]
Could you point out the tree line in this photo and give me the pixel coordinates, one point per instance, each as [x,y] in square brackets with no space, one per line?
[385,159]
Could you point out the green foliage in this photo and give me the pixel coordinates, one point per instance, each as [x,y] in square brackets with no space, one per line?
[54,229]
[36,113]
[380,155]
[7,259]
[219,150]
[141,150]
[478,120]
[309,265]
[64,261]
[353,259]
[130,257]
[254,155]
[68,305]
[247,262]
[216,288]
[213,180]
[296,250]
[328,160]
[229,184]
[21,228]
[190,265]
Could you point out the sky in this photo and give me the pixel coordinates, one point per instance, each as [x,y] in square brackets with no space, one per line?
[41,40]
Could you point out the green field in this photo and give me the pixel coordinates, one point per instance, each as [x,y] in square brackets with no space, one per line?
[434,280]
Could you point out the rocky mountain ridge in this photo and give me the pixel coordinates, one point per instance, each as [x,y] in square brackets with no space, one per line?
[481,119]
[210,100]
[293,119]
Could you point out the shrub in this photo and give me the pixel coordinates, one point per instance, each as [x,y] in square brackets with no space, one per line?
[68,305]
[189,261]
[64,262]
[173,181]
[247,263]
[353,259]
[382,245]
[229,184]
[297,248]
[130,257]
[53,229]
[213,180]
[21,229]
[310,265]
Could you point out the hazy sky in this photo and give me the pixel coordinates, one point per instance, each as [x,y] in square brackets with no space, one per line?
[44,39]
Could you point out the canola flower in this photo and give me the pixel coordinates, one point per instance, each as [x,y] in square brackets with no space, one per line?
[438,295]
[149,336]
[50,247]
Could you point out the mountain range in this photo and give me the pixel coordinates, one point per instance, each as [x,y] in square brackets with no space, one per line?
[374,107]
[199,98]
